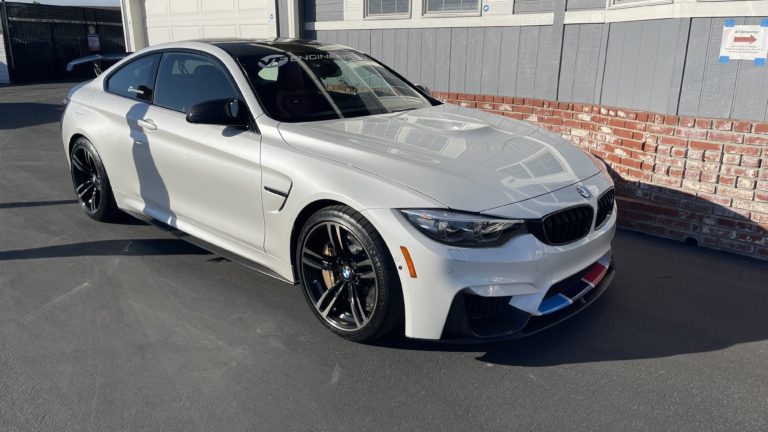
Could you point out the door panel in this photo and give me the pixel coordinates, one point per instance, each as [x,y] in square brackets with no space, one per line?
[205,175]
[124,138]
[121,137]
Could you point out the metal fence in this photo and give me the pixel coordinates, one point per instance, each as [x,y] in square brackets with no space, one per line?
[40,40]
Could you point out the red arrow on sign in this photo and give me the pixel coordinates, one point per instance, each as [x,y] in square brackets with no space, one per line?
[746,39]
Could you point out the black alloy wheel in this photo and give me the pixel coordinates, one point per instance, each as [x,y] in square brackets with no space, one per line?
[90,181]
[348,275]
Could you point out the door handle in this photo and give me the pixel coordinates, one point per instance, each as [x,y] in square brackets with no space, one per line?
[147,124]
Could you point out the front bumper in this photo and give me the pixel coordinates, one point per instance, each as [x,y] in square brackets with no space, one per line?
[468,319]
[524,270]
[518,274]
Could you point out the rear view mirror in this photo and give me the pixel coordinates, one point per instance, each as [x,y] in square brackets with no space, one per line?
[224,112]
[326,69]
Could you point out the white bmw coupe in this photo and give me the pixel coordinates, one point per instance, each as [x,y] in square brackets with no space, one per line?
[322,167]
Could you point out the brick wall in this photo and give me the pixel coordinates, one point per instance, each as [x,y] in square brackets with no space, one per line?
[700,180]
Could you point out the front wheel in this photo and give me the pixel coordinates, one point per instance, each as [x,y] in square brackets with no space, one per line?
[89,178]
[348,276]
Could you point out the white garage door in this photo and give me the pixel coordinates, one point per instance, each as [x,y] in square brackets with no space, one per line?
[175,20]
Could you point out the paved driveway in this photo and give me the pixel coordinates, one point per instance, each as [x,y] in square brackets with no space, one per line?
[122,327]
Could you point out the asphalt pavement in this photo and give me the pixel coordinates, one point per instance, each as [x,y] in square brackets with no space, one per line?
[120,326]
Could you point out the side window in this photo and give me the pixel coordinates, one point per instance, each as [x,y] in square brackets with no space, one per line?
[127,80]
[185,80]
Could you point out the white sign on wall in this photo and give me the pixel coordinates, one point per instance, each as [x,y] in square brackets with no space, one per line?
[744,42]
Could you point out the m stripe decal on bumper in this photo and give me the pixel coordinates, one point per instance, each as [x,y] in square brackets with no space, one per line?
[591,279]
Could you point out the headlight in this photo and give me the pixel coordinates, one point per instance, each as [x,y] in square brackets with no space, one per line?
[463,229]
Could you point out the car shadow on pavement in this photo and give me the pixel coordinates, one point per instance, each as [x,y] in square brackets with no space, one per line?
[12,205]
[17,115]
[138,247]
[667,298]
[121,218]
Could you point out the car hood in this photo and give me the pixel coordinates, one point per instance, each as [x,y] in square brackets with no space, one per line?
[464,158]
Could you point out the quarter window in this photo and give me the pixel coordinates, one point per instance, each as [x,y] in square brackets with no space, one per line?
[185,80]
[129,78]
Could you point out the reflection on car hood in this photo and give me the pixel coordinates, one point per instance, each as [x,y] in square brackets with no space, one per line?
[466,159]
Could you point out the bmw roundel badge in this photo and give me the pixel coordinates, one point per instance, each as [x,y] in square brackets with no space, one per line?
[583,191]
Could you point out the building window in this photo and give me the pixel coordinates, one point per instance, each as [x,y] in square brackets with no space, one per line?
[387,7]
[631,3]
[452,6]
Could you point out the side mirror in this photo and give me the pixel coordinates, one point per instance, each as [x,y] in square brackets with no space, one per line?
[424,89]
[224,112]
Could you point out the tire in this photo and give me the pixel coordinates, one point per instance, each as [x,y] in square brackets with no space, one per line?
[355,293]
[90,182]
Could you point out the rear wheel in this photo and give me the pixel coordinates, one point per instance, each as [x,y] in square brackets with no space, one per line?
[348,275]
[90,182]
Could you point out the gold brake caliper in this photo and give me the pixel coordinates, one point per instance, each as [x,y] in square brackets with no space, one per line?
[328,276]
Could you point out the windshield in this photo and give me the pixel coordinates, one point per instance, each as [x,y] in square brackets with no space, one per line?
[299,87]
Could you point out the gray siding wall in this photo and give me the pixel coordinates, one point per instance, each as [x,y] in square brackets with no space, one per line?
[582,64]
[323,10]
[669,66]
[644,64]
[533,6]
[585,4]
[466,60]
[738,89]
[621,2]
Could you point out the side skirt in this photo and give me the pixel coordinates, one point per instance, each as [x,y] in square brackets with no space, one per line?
[253,265]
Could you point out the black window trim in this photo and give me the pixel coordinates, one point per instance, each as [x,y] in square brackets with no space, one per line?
[251,122]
